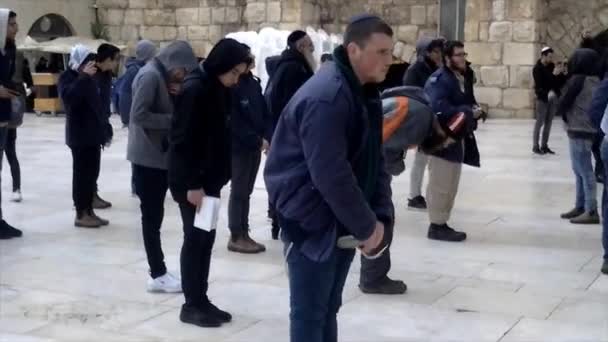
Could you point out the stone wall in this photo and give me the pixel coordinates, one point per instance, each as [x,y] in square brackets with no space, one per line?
[410,19]
[567,19]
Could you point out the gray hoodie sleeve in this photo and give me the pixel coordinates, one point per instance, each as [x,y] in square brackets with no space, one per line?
[144,98]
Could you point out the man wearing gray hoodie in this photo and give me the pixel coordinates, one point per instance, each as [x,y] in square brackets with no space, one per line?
[154,89]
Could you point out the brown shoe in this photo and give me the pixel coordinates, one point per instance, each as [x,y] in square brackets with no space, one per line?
[99,203]
[87,221]
[242,245]
[261,248]
[102,222]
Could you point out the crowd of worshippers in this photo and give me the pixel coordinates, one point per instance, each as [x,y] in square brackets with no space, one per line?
[334,133]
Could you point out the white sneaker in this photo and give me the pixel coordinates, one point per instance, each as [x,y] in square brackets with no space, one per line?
[165,284]
[16,197]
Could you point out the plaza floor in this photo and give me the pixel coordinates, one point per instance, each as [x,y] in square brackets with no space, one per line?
[523,274]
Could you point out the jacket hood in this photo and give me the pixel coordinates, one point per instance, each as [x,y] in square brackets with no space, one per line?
[145,50]
[4,13]
[78,55]
[293,55]
[225,55]
[178,54]
[584,62]
[131,61]
[422,45]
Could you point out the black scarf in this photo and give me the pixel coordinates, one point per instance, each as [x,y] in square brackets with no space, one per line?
[367,165]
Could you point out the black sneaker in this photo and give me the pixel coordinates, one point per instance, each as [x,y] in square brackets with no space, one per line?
[576,212]
[198,317]
[220,315]
[8,232]
[385,286]
[605,267]
[445,233]
[537,150]
[417,202]
[546,150]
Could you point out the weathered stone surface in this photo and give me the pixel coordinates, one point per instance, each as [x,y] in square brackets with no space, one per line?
[498,10]
[218,15]
[273,12]
[233,15]
[524,114]
[289,26]
[521,76]
[520,54]
[134,17]
[525,31]
[198,32]
[308,13]
[478,10]
[114,32]
[112,3]
[432,14]
[418,15]
[255,12]
[408,53]
[129,33]
[484,53]
[215,33]
[488,96]
[182,32]
[517,98]
[522,9]
[602,15]
[495,76]
[471,31]
[153,33]
[170,33]
[159,17]
[484,31]
[113,17]
[501,31]
[204,15]
[408,34]
[187,16]
[199,47]
[143,4]
[501,113]
[556,30]
[290,11]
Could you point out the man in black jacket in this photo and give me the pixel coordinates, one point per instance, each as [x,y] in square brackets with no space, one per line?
[548,79]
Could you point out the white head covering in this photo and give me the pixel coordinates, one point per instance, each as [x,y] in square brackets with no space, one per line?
[78,55]
[4,14]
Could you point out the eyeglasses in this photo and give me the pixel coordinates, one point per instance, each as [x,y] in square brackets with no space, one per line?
[462,54]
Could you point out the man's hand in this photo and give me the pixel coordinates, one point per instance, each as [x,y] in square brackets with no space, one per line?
[195,197]
[6,93]
[90,69]
[265,145]
[174,88]
[375,240]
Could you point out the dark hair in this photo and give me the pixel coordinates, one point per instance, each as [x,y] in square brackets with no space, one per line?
[450,46]
[360,30]
[546,52]
[12,14]
[294,37]
[107,51]
[435,44]
[326,57]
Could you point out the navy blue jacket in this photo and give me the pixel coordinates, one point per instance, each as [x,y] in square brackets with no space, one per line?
[7,69]
[309,172]
[599,103]
[447,101]
[249,117]
[85,124]
[125,91]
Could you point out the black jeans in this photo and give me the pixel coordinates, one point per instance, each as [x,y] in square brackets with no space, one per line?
[373,271]
[3,135]
[151,187]
[245,166]
[195,257]
[11,157]
[85,171]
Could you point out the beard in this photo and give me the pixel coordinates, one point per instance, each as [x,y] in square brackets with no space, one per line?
[310,59]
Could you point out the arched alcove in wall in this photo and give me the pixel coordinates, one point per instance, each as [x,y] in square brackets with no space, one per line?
[51,26]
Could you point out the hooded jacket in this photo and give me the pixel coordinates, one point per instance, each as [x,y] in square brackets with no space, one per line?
[85,122]
[423,68]
[575,104]
[7,65]
[291,72]
[250,115]
[145,51]
[152,106]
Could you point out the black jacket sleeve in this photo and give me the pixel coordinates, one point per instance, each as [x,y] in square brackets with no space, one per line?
[573,88]
[293,76]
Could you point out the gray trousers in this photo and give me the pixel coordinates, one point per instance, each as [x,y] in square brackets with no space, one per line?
[417,174]
[545,111]
[444,178]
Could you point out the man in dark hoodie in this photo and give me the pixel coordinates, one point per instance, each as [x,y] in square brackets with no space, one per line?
[199,166]
[287,74]
[429,60]
[325,173]
[8,50]
[106,62]
[574,108]
[248,122]
[154,89]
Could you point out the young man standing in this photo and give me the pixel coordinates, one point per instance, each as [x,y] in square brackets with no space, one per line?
[326,176]
[451,100]
[8,49]
[548,80]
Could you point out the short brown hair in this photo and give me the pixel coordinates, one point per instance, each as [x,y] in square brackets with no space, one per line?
[361,28]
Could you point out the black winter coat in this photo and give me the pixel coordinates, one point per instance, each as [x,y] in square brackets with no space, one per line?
[250,116]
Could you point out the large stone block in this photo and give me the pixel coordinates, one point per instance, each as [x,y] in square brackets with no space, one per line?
[520,54]
[484,31]
[432,14]
[255,12]
[141,4]
[495,76]
[501,113]
[199,47]
[484,53]
[478,10]
[159,17]
[134,17]
[516,98]
[129,33]
[113,3]
[156,33]
[273,12]
[418,15]
[180,3]
[523,9]
[187,16]
[498,10]
[170,33]
[521,76]
[471,31]
[501,31]
[408,34]
[218,15]
[215,33]
[182,33]
[198,32]
[489,96]
[204,15]
[114,33]
[113,17]
[233,15]
[524,114]
[291,11]
[525,31]
[556,30]
[308,13]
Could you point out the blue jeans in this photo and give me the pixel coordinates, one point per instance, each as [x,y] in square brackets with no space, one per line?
[316,294]
[604,152]
[586,186]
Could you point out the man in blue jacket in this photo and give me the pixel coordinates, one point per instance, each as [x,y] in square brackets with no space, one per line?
[454,106]
[325,176]
[144,51]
